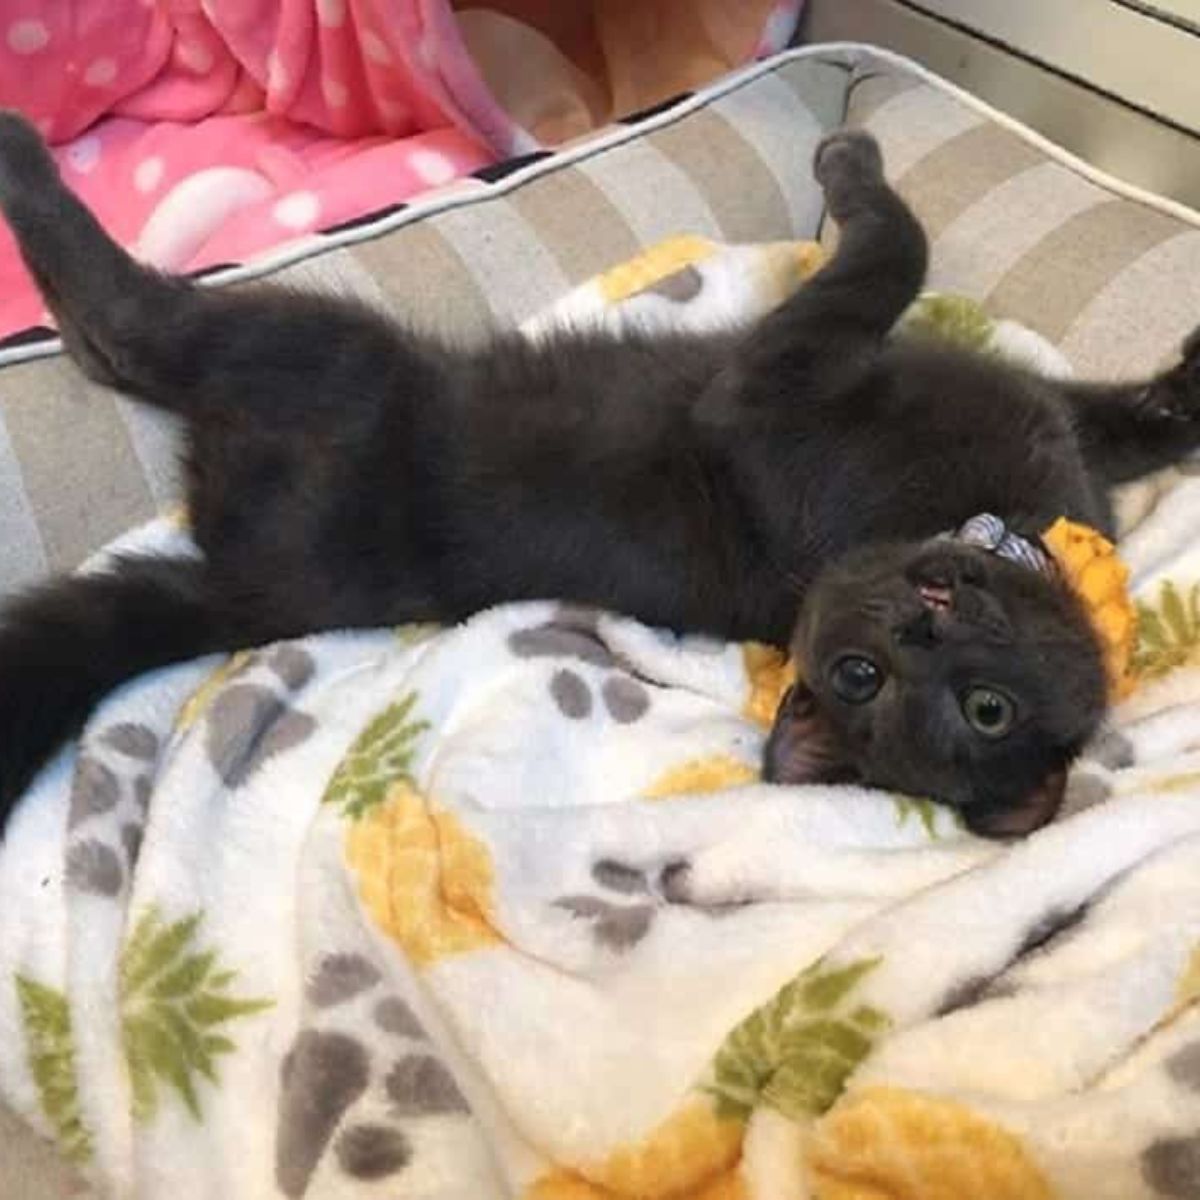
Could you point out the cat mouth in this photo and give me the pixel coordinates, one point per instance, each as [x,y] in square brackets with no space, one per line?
[937,597]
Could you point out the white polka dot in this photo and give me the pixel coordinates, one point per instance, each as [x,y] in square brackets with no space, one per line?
[84,153]
[148,174]
[100,73]
[277,76]
[299,210]
[331,13]
[335,93]
[375,48]
[432,167]
[195,56]
[27,37]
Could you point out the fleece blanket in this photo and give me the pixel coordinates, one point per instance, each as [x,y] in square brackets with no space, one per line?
[208,134]
[503,910]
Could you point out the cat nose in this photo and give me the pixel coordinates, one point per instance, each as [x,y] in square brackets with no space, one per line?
[920,631]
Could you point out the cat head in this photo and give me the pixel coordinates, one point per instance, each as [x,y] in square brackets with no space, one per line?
[941,670]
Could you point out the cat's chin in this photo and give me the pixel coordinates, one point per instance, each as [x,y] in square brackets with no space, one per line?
[1008,821]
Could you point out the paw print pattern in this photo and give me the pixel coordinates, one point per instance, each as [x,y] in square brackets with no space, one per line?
[573,633]
[1171,1166]
[250,721]
[386,1062]
[619,926]
[110,796]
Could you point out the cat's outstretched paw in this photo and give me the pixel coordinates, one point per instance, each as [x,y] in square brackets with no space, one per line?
[845,164]
[25,163]
[1176,395]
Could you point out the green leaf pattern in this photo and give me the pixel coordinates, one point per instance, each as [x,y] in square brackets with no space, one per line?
[175,1002]
[958,319]
[1169,633]
[46,1020]
[381,756]
[922,810]
[795,1052]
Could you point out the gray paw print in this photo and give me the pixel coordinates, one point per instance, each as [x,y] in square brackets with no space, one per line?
[621,926]
[110,794]
[328,1071]
[574,633]
[250,722]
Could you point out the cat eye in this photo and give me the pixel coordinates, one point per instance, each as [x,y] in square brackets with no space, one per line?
[988,712]
[855,679]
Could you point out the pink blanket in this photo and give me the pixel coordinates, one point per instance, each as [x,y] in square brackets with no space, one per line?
[209,131]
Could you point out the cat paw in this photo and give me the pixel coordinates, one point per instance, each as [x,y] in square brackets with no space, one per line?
[844,164]
[1176,395]
[25,162]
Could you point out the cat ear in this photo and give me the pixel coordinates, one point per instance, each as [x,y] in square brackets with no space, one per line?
[1017,820]
[802,747]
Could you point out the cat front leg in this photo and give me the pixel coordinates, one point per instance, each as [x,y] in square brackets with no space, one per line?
[1131,429]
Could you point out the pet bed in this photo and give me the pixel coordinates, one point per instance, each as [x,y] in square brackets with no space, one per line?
[208,134]
[503,911]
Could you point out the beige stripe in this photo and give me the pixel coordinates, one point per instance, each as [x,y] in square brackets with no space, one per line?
[426,282]
[821,87]
[516,273]
[155,437]
[657,199]
[784,132]
[1048,287]
[82,477]
[870,92]
[741,192]
[577,222]
[335,273]
[973,252]
[951,178]
[1140,318]
[22,558]
[915,123]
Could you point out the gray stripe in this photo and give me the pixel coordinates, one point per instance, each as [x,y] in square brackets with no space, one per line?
[155,437]
[427,283]
[948,180]
[822,88]
[1057,278]
[657,199]
[741,192]
[871,90]
[515,272]
[974,251]
[1137,322]
[22,558]
[784,132]
[577,223]
[82,477]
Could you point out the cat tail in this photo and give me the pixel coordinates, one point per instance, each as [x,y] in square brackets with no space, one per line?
[67,643]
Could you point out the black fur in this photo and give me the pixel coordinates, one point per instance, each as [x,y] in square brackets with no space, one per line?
[343,472]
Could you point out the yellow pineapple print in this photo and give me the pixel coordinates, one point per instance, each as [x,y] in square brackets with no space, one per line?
[713,773]
[425,879]
[891,1144]
[693,1155]
[426,882]
[770,672]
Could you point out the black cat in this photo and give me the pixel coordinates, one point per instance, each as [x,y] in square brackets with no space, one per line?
[343,472]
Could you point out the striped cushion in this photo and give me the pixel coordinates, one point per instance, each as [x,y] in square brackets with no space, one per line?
[1114,279]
